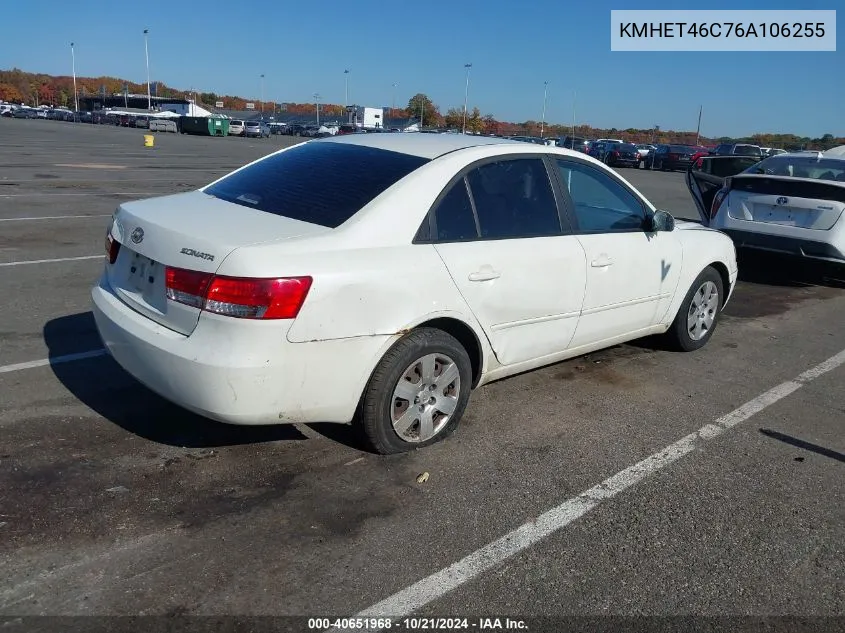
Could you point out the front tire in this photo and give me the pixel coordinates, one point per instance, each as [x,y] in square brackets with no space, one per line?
[417,393]
[698,315]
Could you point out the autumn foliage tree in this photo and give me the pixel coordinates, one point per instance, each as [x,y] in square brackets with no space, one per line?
[421,107]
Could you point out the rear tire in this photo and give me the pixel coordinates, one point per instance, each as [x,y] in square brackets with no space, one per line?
[392,416]
[698,315]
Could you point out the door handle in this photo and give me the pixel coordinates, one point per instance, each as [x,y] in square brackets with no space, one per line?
[603,261]
[484,275]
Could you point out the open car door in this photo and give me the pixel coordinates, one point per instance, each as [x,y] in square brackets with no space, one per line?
[707,175]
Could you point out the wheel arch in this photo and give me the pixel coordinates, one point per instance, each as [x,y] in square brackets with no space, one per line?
[466,336]
[726,279]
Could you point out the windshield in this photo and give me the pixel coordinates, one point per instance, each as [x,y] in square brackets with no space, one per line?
[801,167]
[317,182]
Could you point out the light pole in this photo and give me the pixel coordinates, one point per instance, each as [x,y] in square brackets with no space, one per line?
[346,88]
[466,95]
[75,96]
[317,101]
[698,129]
[262,96]
[543,120]
[393,106]
[574,100]
[147,55]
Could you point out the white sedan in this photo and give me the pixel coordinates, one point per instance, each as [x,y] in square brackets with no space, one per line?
[376,279]
[790,203]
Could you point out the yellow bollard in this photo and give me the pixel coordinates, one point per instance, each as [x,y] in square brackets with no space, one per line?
[149,140]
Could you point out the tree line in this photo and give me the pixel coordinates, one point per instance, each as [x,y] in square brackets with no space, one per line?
[18,86]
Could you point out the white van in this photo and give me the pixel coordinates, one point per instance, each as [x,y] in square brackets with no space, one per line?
[236,127]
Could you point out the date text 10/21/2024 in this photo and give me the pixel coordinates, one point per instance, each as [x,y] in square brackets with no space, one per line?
[417,624]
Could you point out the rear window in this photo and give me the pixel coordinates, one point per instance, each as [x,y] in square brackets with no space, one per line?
[321,183]
[747,150]
[682,149]
[236,122]
[801,167]
[627,147]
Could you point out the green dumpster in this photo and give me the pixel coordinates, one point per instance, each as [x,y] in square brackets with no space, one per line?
[204,125]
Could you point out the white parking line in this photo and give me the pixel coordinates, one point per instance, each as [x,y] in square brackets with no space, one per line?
[56,360]
[440,583]
[55,217]
[50,261]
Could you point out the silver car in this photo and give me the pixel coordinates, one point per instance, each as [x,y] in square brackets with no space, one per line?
[257,129]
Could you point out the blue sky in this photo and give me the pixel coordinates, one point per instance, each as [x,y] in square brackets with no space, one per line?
[514,47]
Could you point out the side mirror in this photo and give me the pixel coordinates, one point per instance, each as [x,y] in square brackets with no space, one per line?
[662,221]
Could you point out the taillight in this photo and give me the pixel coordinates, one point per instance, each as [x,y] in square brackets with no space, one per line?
[112,248]
[186,286]
[673,157]
[257,298]
[718,199]
[239,297]
[614,154]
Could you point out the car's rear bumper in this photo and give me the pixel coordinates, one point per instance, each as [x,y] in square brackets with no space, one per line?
[239,372]
[811,249]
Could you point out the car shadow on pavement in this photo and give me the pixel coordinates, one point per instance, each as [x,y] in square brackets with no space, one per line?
[773,269]
[802,444]
[103,386]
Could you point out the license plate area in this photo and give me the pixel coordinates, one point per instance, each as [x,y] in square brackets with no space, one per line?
[143,282]
[143,273]
[772,214]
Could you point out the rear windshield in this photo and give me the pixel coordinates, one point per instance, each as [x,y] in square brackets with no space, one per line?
[321,182]
[682,149]
[747,150]
[235,122]
[626,147]
[801,167]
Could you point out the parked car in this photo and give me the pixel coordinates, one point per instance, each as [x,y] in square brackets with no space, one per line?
[644,149]
[789,203]
[571,142]
[621,154]
[256,129]
[596,149]
[236,127]
[671,157]
[737,149]
[512,256]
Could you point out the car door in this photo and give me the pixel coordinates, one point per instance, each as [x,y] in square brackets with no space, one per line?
[632,272]
[706,176]
[498,230]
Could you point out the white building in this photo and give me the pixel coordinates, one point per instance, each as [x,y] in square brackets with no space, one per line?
[368,118]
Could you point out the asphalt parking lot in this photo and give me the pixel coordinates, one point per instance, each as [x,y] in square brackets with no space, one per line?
[114,502]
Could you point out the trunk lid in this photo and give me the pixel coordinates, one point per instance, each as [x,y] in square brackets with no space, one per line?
[192,230]
[786,201]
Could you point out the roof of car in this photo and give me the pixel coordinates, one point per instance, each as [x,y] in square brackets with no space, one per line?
[428,146]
